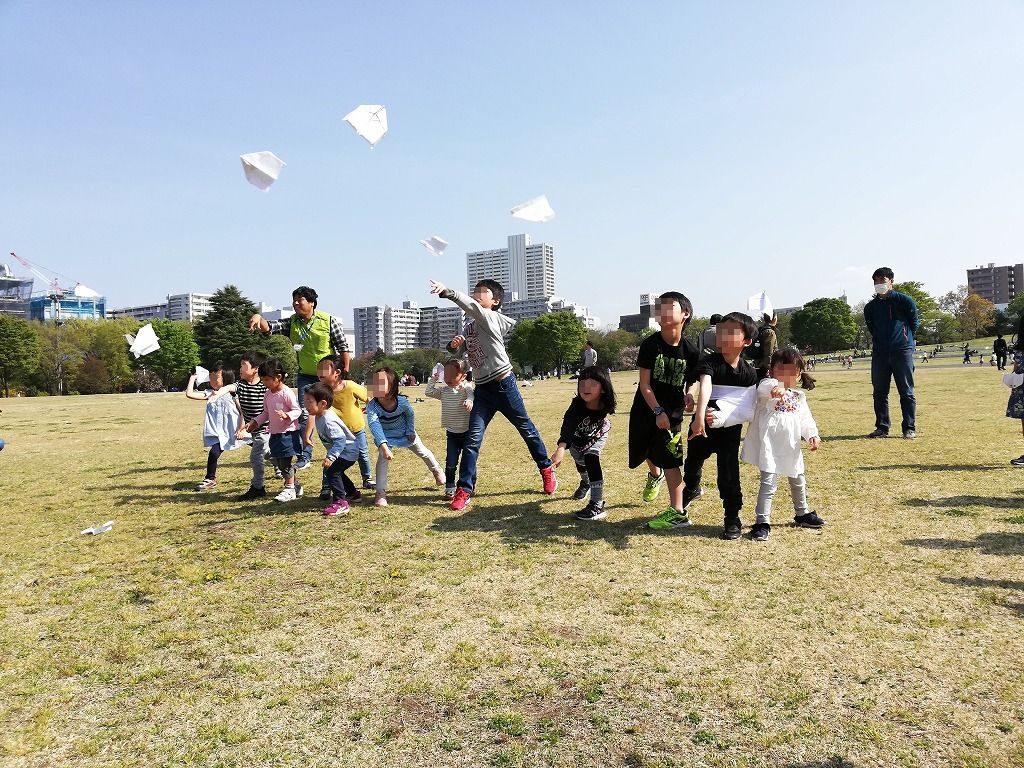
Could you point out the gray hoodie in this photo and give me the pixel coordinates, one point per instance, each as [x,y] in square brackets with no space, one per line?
[486,333]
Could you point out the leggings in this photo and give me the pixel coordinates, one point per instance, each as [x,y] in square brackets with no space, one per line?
[765,494]
[336,479]
[416,447]
[211,461]
[588,464]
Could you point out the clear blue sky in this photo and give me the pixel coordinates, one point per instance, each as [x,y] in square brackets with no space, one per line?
[714,148]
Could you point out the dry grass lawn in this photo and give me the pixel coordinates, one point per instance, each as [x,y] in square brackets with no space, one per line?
[202,631]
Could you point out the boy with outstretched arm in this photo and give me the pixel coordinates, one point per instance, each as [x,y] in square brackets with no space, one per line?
[496,388]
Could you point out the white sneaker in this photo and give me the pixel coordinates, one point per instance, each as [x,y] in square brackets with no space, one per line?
[288,494]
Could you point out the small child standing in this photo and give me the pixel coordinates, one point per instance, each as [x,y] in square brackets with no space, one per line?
[340,444]
[456,402]
[281,412]
[350,400]
[251,393]
[393,425]
[585,429]
[781,420]
[221,423]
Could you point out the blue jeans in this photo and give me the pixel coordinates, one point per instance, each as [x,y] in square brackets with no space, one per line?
[456,444]
[505,398]
[302,383]
[364,455]
[897,365]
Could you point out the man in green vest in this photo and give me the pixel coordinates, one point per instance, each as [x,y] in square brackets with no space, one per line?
[314,335]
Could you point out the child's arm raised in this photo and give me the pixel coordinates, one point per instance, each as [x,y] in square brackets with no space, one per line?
[191,392]
[467,303]
[433,388]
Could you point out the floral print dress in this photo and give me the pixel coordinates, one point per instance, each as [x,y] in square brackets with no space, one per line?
[1015,406]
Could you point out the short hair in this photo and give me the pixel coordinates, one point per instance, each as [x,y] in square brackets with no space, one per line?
[883,272]
[334,360]
[392,381]
[744,321]
[320,392]
[714,319]
[495,288]
[253,358]
[684,303]
[227,376]
[590,343]
[272,368]
[600,375]
[305,292]
[454,361]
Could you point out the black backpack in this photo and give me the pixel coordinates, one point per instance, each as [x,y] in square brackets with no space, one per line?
[753,352]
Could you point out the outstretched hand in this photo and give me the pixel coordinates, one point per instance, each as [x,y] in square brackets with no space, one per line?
[436,287]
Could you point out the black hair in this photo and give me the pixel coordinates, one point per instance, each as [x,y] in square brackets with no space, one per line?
[336,362]
[744,321]
[769,319]
[455,361]
[714,319]
[792,356]
[684,304]
[272,368]
[1020,334]
[495,288]
[305,292]
[393,381]
[883,272]
[227,376]
[320,392]
[255,359]
[599,375]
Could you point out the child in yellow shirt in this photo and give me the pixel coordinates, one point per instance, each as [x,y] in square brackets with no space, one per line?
[349,403]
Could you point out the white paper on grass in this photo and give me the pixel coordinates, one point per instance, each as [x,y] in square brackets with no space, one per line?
[759,305]
[262,168]
[202,375]
[144,342]
[370,121]
[538,210]
[98,529]
[435,244]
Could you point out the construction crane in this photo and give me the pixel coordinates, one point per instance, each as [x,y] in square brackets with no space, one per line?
[54,288]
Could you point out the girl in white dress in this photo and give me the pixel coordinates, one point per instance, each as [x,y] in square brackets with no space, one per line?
[781,420]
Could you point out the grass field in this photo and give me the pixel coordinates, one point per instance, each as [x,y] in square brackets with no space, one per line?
[203,632]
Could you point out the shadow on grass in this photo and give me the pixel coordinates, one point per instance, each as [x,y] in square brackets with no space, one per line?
[935,467]
[988,543]
[195,466]
[982,583]
[833,762]
[965,501]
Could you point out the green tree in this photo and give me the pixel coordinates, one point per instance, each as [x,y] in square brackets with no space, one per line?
[280,347]
[1015,310]
[519,345]
[19,351]
[976,316]
[784,330]
[954,302]
[223,333]
[419,362]
[609,346]
[62,349]
[108,344]
[178,353]
[824,325]
[915,290]
[562,335]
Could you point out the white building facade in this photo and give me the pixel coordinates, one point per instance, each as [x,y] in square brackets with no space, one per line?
[526,270]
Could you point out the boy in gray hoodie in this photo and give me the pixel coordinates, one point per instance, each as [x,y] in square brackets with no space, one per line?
[497,390]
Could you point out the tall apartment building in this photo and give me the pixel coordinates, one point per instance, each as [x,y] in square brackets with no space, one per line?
[528,309]
[526,270]
[997,284]
[179,306]
[368,326]
[396,329]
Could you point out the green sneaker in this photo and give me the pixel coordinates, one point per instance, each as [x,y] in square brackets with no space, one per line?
[653,486]
[670,518]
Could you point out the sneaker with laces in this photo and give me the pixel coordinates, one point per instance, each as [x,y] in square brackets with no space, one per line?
[354,497]
[207,485]
[593,511]
[253,493]
[581,492]
[369,485]
[810,520]
[653,486]
[879,433]
[550,481]
[302,463]
[325,494]
[760,531]
[287,494]
[459,500]
[278,475]
[733,529]
[449,491]
[690,496]
[669,519]
[335,508]
[1018,462]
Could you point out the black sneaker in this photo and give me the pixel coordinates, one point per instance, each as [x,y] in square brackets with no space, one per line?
[1018,462]
[810,520]
[253,493]
[760,531]
[369,485]
[325,494]
[581,493]
[733,529]
[689,496]
[593,511]
[879,433]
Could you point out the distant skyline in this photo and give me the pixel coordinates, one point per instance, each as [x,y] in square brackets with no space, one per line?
[716,149]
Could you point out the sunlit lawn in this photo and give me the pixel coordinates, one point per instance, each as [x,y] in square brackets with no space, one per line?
[202,631]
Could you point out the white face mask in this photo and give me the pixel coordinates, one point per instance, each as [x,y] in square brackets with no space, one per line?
[882,288]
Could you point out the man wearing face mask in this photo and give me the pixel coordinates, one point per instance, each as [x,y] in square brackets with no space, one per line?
[892,319]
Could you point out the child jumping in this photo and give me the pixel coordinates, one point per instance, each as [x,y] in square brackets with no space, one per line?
[340,444]
[585,429]
[781,420]
[281,412]
[456,398]
[497,390]
[665,361]
[393,425]
[221,423]
[350,400]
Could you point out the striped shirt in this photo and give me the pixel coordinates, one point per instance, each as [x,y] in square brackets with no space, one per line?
[338,340]
[454,417]
[250,398]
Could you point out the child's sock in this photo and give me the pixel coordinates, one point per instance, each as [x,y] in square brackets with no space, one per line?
[597,491]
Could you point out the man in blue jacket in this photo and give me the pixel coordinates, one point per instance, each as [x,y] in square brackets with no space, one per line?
[892,319]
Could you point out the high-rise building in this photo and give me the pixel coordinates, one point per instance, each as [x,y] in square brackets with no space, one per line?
[368,325]
[528,309]
[642,320]
[997,284]
[526,270]
[188,306]
[396,329]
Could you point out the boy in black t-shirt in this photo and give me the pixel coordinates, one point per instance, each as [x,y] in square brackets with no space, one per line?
[725,368]
[666,361]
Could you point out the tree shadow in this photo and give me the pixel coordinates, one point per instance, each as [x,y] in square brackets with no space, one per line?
[197,466]
[965,501]
[982,583]
[989,543]
[837,438]
[935,467]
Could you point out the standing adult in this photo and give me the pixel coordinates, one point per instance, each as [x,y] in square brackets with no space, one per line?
[314,335]
[892,319]
[706,343]
[589,355]
[999,347]
[769,340]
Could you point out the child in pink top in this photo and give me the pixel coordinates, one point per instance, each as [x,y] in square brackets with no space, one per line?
[281,413]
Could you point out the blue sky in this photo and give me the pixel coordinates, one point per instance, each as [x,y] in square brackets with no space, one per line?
[714,148]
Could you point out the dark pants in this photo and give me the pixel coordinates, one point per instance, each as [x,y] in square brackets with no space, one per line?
[1001,361]
[336,479]
[211,461]
[505,398]
[591,467]
[303,382]
[725,444]
[456,444]
[897,365]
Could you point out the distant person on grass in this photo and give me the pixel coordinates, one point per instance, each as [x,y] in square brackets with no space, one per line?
[1015,405]
[999,346]
[892,320]
[589,355]
[221,422]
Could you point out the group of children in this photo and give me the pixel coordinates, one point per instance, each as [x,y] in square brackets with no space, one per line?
[720,389]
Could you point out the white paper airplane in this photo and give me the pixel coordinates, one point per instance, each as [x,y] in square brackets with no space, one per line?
[98,529]
[144,342]
[370,121]
[538,210]
[760,305]
[262,168]
[202,375]
[435,244]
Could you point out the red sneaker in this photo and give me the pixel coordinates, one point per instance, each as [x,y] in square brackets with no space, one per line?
[459,500]
[550,481]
